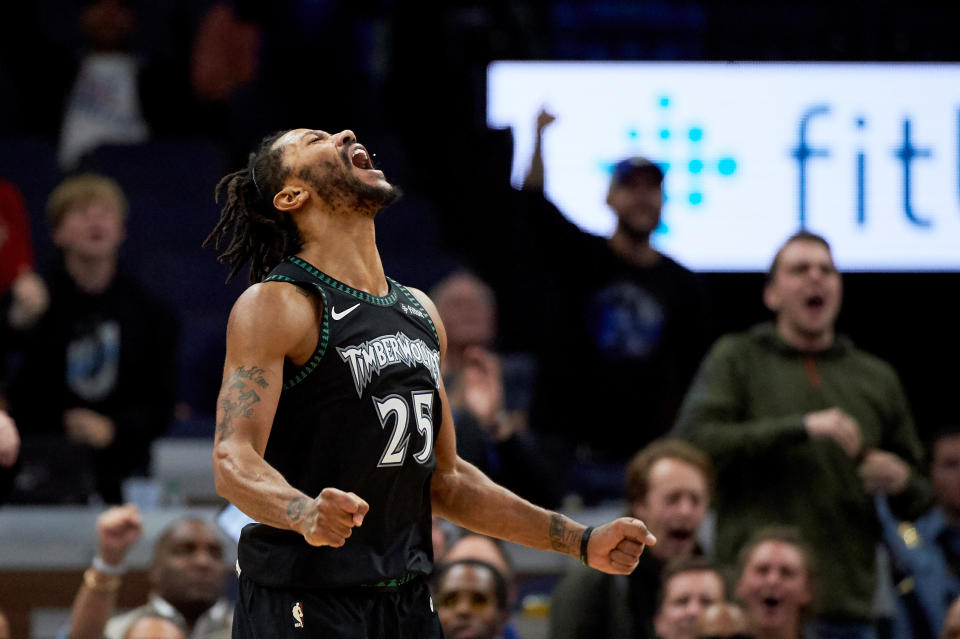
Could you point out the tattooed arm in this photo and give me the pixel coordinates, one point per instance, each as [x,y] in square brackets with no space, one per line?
[461,493]
[269,323]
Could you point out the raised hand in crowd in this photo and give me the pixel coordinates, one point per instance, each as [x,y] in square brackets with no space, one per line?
[118,529]
[535,177]
[481,392]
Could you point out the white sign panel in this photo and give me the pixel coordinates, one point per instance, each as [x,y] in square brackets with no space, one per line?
[866,154]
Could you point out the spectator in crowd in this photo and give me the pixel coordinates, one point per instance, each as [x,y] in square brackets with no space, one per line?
[722,619]
[776,583]
[926,553]
[633,325]
[225,61]
[491,429]
[103,105]
[690,585]
[470,305]
[79,62]
[803,427]
[187,579]
[951,627]
[23,297]
[154,627]
[489,550]
[23,293]
[471,599]
[131,81]
[98,368]
[483,548]
[668,487]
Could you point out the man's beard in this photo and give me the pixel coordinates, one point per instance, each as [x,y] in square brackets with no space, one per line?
[373,197]
[341,188]
[635,234]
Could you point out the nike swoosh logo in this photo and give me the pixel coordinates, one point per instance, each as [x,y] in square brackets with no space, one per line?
[337,316]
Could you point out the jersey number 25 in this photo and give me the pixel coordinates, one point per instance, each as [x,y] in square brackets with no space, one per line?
[397,407]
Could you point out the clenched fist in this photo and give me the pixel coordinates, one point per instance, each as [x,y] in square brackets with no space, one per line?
[118,528]
[330,519]
[616,547]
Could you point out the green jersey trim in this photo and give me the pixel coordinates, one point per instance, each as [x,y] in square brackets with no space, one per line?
[322,342]
[391,584]
[386,300]
[413,300]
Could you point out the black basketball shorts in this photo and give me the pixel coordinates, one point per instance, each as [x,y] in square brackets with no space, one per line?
[403,612]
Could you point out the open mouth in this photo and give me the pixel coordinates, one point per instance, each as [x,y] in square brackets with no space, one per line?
[463,631]
[680,534]
[360,158]
[771,603]
[815,302]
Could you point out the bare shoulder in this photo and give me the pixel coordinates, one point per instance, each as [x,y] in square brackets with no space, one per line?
[431,308]
[273,309]
[425,301]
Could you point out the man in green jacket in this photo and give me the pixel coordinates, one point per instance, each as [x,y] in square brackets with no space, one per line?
[803,428]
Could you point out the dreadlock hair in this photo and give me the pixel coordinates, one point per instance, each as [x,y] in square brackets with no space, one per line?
[260,234]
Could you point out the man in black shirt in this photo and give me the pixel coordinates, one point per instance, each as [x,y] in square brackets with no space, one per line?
[333,426]
[629,320]
[98,375]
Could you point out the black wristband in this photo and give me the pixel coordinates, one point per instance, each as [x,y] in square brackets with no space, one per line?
[584,540]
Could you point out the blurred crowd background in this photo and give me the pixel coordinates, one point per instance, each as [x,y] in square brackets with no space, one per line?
[166,97]
[213,78]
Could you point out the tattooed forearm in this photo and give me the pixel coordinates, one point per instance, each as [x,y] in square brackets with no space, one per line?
[295,508]
[237,398]
[253,373]
[563,538]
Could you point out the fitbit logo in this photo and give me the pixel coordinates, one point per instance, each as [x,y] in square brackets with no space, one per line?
[685,151]
[868,154]
[904,152]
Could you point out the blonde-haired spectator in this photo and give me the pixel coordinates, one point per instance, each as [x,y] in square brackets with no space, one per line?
[98,372]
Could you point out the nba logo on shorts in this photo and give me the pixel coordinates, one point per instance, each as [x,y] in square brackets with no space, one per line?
[298,615]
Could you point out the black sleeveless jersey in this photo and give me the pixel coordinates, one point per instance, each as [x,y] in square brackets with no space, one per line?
[361,416]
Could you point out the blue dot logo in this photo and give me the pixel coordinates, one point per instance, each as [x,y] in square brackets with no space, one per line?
[727,166]
[685,146]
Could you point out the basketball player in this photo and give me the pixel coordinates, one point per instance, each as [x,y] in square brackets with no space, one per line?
[333,426]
